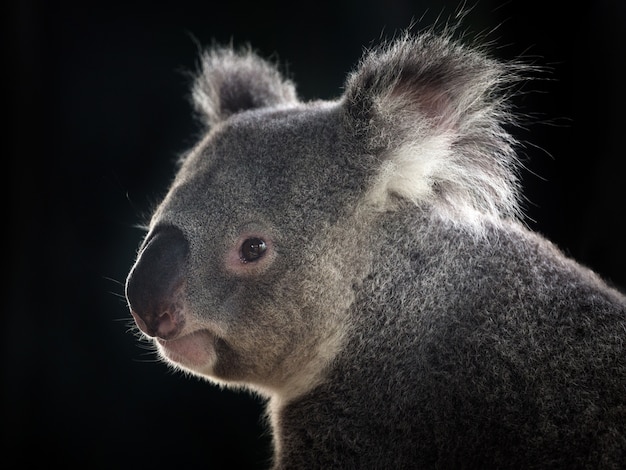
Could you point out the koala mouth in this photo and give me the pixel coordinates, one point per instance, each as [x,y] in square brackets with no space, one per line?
[194,351]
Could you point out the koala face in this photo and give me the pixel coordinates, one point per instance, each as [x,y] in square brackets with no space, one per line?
[238,250]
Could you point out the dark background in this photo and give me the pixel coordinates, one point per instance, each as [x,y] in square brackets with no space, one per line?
[97,114]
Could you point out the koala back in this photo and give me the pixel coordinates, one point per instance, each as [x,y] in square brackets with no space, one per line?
[361,263]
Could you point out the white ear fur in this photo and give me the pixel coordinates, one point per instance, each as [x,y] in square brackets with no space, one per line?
[409,171]
[428,174]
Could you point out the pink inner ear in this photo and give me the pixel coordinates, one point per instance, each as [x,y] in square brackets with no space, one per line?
[429,101]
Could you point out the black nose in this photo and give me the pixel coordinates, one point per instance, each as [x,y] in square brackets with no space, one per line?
[154,287]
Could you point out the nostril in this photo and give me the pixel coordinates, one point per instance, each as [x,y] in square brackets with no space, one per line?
[164,326]
[155,282]
[168,324]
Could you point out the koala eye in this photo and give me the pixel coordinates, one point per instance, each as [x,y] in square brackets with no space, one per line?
[252,249]
[250,254]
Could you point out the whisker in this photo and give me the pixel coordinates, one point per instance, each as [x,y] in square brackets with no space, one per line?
[121,283]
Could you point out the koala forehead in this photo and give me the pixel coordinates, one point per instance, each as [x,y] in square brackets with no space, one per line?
[288,167]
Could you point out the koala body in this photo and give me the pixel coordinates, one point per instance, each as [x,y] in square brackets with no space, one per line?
[361,263]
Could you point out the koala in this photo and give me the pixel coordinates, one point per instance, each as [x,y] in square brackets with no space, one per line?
[363,264]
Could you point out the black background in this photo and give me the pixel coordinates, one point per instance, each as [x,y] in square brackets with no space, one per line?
[97,115]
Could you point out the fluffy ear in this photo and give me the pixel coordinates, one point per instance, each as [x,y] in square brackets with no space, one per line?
[233,81]
[433,111]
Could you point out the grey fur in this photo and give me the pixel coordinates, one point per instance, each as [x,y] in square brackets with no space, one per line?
[402,315]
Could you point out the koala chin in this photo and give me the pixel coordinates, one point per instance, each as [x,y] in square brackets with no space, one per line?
[363,263]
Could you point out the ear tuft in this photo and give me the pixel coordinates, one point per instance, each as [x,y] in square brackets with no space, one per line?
[232,81]
[434,113]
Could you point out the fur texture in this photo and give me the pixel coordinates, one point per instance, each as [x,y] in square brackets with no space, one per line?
[362,264]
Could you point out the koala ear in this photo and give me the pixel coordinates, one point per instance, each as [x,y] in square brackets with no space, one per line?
[233,81]
[432,111]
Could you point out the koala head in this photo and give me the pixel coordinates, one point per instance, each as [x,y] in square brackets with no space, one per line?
[251,261]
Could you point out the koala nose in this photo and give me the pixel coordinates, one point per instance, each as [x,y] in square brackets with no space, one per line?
[154,286]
